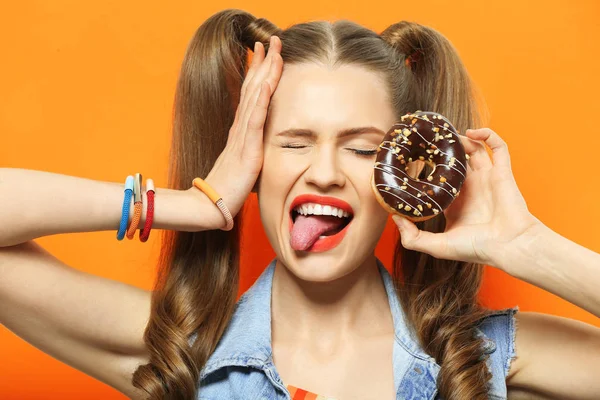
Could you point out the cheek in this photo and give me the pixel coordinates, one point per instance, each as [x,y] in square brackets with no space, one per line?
[364,173]
[377,215]
[370,207]
[373,221]
[278,175]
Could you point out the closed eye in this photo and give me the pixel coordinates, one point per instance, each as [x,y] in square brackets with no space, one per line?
[364,152]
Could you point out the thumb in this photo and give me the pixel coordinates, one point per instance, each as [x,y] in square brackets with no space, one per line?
[413,238]
[409,233]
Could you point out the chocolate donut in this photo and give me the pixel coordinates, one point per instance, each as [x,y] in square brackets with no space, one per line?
[431,138]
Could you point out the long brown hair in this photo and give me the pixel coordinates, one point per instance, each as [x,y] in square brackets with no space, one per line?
[197,282]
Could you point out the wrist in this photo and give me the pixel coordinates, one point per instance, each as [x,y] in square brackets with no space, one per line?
[514,256]
[206,214]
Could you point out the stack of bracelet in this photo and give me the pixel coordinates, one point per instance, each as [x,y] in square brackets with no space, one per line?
[134,186]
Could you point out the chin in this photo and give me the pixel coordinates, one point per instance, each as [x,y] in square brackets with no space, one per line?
[319,267]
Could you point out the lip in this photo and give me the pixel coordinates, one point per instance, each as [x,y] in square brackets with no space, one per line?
[328,242]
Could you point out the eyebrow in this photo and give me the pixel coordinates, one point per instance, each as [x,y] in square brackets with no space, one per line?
[295,132]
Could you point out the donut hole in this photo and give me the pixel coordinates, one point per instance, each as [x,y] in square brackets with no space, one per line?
[419,169]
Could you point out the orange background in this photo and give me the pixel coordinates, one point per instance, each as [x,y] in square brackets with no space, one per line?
[81,82]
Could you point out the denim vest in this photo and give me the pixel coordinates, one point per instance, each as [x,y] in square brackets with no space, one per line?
[241,367]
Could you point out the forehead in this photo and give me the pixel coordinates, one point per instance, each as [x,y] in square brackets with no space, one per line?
[316,97]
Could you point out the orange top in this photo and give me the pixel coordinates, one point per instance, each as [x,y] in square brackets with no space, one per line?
[301,394]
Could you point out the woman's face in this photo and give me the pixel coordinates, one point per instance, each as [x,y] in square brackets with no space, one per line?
[320,169]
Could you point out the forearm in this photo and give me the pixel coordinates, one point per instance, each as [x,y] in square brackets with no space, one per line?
[39,203]
[552,262]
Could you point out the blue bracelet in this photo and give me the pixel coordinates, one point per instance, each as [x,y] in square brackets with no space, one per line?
[126,206]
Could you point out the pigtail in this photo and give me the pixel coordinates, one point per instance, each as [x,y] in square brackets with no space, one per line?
[195,292]
[441,82]
[440,296]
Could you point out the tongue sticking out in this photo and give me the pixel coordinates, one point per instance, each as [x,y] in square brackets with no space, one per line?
[307,229]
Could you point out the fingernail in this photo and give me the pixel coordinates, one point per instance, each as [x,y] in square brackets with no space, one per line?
[255,46]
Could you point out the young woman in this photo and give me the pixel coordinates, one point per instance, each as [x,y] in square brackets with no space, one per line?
[325,316]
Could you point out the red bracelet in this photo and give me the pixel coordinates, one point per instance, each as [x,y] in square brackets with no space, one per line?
[145,233]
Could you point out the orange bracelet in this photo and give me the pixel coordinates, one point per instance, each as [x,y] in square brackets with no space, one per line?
[137,212]
[204,187]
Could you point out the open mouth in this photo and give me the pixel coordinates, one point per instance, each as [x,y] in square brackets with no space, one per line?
[336,221]
[318,227]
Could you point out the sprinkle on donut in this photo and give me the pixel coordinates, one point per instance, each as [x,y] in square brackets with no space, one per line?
[431,138]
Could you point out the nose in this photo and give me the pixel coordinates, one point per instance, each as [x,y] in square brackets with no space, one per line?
[324,170]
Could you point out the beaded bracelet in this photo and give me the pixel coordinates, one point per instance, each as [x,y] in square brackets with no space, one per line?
[215,198]
[138,206]
[149,212]
[125,210]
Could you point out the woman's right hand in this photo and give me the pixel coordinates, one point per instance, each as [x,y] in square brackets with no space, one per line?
[235,172]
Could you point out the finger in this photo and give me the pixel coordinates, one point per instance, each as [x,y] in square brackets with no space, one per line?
[500,154]
[254,80]
[479,157]
[276,64]
[275,72]
[250,83]
[470,145]
[250,91]
[273,52]
[266,72]
[413,238]
[275,44]
[272,81]
[254,85]
[256,123]
[257,58]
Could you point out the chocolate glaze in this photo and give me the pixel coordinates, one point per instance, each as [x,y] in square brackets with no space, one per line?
[426,136]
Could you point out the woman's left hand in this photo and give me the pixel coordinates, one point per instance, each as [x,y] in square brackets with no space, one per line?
[488,215]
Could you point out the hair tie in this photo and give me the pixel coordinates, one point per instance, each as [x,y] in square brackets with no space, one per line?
[138,206]
[413,58]
[204,187]
[145,232]
[125,209]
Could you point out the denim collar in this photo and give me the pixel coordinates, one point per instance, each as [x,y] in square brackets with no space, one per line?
[247,339]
